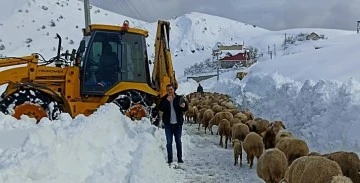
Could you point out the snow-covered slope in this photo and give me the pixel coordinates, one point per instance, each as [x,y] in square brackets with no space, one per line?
[33,26]
[316,92]
[40,21]
[194,31]
[105,147]
[337,59]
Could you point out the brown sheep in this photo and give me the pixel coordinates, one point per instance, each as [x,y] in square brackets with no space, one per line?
[253,146]
[234,121]
[258,126]
[269,138]
[217,108]
[277,126]
[242,117]
[213,104]
[226,110]
[237,151]
[218,117]
[206,102]
[272,165]
[191,113]
[223,103]
[261,125]
[282,134]
[200,115]
[224,130]
[207,116]
[314,169]
[239,131]
[252,125]
[230,105]
[249,114]
[293,148]
[348,161]
[234,111]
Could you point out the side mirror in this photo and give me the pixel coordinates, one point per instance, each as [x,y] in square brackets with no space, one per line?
[82,46]
[72,56]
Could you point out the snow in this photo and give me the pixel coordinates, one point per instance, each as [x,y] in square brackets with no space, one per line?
[207,162]
[336,60]
[105,147]
[315,92]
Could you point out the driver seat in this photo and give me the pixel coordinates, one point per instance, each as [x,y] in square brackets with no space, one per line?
[108,64]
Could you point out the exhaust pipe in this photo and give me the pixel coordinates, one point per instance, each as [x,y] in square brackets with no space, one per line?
[87,14]
[58,62]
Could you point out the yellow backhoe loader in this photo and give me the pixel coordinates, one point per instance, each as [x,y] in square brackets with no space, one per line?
[110,65]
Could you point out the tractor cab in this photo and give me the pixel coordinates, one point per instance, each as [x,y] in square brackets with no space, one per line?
[110,55]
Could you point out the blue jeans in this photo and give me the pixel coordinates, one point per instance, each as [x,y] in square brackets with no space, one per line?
[170,131]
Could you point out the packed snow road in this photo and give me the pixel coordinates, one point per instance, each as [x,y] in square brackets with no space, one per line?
[206,161]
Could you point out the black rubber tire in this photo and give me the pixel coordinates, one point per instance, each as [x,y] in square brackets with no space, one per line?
[34,96]
[128,98]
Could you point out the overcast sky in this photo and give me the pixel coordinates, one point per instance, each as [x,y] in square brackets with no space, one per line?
[269,14]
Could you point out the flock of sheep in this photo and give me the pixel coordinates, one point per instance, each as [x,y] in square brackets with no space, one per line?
[281,157]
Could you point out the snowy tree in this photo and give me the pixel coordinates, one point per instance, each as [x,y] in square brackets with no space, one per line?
[205,66]
[253,52]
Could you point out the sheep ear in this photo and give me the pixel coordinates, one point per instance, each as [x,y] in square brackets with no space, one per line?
[271,124]
[282,125]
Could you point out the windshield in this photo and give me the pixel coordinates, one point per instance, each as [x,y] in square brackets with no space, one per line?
[113,57]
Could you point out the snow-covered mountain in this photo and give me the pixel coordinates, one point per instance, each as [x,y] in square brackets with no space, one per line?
[36,32]
[33,25]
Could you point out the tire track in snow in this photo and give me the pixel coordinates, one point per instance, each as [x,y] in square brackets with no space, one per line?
[207,162]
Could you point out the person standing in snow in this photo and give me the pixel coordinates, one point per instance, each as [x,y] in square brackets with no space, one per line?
[200,89]
[171,109]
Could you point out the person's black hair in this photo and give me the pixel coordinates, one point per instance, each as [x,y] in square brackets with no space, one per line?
[170,85]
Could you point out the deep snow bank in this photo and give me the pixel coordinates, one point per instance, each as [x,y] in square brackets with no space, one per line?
[325,113]
[337,59]
[104,147]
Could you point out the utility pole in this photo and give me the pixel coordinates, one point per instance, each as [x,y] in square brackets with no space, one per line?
[274,50]
[87,14]
[218,66]
[285,43]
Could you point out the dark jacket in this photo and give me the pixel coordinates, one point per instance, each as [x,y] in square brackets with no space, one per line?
[200,89]
[164,106]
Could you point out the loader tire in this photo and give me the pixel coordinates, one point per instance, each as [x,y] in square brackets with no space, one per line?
[136,105]
[30,102]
